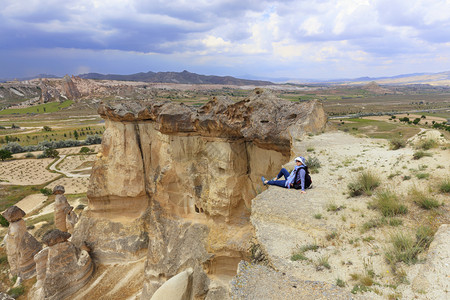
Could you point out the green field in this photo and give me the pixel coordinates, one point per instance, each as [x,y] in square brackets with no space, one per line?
[38,109]
[376,129]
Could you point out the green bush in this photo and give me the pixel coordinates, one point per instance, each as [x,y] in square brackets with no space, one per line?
[427,144]
[298,256]
[17,291]
[404,249]
[424,236]
[5,154]
[323,262]
[422,175]
[444,186]
[313,164]
[365,183]
[387,203]
[46,191]
[419,154]
[85,150]
[422,200]
[397,143]
[340,283]
[29,155]
[50,152]
[3,221]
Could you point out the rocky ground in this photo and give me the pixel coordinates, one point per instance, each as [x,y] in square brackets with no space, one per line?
[348,249]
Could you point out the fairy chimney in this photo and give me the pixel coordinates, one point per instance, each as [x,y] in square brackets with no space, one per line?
[21,246]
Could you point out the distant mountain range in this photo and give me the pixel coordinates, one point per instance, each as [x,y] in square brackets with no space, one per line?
[177,77]
[185,77]
[437,79]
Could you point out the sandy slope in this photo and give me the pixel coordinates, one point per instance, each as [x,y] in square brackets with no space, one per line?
[286,220]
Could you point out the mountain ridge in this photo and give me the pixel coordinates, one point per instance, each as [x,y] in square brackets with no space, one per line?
[184,77]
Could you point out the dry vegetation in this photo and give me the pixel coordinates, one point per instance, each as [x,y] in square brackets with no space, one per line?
[388,214]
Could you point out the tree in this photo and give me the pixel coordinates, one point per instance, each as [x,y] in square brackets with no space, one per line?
[5,154]
[85,150]
[75,134]
[50,152]
[46,128]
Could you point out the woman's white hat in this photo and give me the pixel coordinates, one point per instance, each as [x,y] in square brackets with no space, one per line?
[301,159]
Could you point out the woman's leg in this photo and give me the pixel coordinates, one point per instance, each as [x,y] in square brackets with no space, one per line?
[277,182]
[283,172]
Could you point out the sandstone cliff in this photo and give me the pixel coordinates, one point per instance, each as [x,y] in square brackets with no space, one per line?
[175,184]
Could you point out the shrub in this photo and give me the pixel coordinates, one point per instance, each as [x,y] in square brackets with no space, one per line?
[444,186]
[395,222]
[29,155]
[93,139]
[5,154]
[16,291]
[340,283]
[427,144]
[322,262]
[422,200]
[313,164]
[298,256]
[3,221]
[318,216]
[331,236]
[387,203]
[50,152]
[13,147]
[46,128]
[46,191]
[371,224]
[85,150]
[419,154]
[298,253]
[365,183]
[309,247]
[424,236]
[422,175]
[397,143]
[404,249]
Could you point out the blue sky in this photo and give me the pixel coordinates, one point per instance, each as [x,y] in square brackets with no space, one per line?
[319,39]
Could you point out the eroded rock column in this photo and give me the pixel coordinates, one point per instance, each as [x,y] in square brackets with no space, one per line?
[62,208]
[21,246]
[62,268]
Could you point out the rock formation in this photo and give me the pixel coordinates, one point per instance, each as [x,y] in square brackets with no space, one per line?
[21,246]
[433,277]
[178,287]
[175,183]
[62,268]
[70,89]
[64,215]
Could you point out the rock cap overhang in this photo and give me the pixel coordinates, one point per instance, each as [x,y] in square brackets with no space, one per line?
[261,118]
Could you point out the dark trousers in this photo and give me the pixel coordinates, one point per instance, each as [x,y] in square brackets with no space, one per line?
[282,183]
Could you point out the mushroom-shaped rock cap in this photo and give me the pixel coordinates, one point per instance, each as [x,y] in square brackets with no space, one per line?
[13,214]
[59,189]
[55,236]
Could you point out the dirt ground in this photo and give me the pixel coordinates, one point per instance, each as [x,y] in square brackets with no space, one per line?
[352,237]
[26,171]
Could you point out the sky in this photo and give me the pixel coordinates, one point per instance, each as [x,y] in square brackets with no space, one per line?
[319,39]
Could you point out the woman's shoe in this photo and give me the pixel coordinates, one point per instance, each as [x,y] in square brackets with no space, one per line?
[263,180]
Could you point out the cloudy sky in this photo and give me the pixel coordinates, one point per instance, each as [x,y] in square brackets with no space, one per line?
[319,39]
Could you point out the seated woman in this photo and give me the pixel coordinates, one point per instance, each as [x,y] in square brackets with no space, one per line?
[297,178]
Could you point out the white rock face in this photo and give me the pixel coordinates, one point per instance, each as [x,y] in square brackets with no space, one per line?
[434,277]
[178,287]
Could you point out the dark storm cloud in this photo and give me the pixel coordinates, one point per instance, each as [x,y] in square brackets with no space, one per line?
[220,34]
